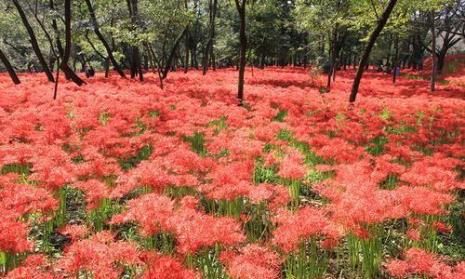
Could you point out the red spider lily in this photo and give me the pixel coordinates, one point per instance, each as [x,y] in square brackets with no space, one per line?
[166,267]
[195,230]
[89,133]
[252,261]
[34,266]
[94,191]
[152,212]
[75,232]
[420,262]
[292,166]
[308,222]
[99,256]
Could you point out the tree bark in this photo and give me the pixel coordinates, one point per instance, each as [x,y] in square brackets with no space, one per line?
[240,5]
[103,40]
[169,61]
[212,4]
[67,51]
[9,68]
[136,68]
[332,55]
[186,42]
[433,52]
[396,59]
[34,43]
[371,42]
[57,78]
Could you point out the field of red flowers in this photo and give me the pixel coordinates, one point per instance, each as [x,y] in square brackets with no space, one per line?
[120,179]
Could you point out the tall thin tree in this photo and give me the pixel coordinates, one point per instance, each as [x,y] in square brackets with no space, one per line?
[433,52]
[102,39]
[208,52]
[9,68]
[33,40]
[136,68]
[241,9]
[371,42]
[67,51]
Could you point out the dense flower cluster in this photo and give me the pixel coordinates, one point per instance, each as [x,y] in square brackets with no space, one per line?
[122,179]
[422,263]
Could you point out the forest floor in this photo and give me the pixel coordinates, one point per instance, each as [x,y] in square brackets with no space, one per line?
[120,179]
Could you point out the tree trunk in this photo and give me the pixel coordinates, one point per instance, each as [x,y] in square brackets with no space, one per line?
[57,33]
[136,68]
[55,90]
[433,52]
[103,40]
[170,59]
[330,68]
[441,61]
[396,59]
[34,43]
[212,4]
[240,5]
[9,68]
[107,67]
[67,51]
[371,42]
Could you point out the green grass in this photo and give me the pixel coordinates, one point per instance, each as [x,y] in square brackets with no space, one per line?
[376,146]
[133,161]
[280,116]
[98,217]
[197,142]
[265,174]
[24,169]
[308,262]
[310,157]
[219,124]
[390,183]
[207,262]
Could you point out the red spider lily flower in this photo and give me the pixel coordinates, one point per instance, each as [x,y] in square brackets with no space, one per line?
[253,261]
[34,266]
[75,232]
[195,230]
[166,267]
[151,212]
[292,166]
[293,228]
[94,191]
[99,255]
[422,263]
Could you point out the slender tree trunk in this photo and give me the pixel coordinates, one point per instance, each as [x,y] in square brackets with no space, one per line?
[371,42]
[67,51]
[55,89]
[136,68]
[9,68]
[213,57]
[107,67]
[171,57]
[433,52]
[240,5]
[212,4]
[34,43]
[330,68]
[440,62]
[57,32]
[396,59]
[186,56]
[186,41]
[157,62]
[103,40]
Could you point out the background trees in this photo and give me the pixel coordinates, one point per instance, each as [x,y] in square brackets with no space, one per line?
[142,35]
